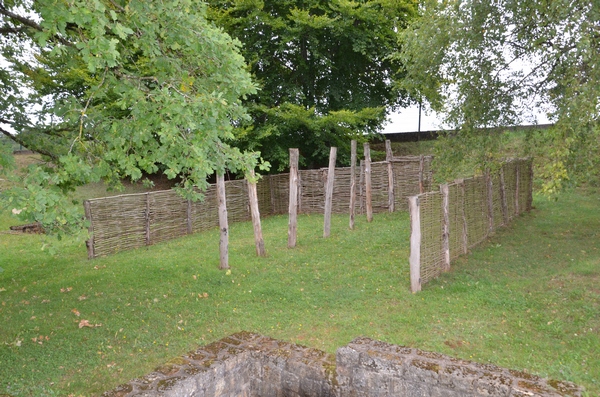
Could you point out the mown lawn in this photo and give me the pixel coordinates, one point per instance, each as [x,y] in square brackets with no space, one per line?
[528,299]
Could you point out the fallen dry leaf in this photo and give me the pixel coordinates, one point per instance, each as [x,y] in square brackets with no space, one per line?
[86,323]
[82,297]
[40,339]
[68,289]
[203,295]
[75,312]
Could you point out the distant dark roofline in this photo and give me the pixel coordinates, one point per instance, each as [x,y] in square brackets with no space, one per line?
[433,134]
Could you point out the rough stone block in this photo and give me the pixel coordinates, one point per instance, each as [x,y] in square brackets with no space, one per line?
[252,365]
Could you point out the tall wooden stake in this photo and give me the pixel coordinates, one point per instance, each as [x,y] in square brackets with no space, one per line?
[361,187]
[147,218]
[352,182]
[329,192]
[90,242]
[293,207]
[223,224]
[517,187]
[465,234]
[189,217]
[446,236]
[369,203]
[503,198]
[389,157]
[530,185]
[415,244]
[490,202]
[421,171]
[255,213]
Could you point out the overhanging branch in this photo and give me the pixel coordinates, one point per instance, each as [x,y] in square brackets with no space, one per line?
[29,23]
[15,138]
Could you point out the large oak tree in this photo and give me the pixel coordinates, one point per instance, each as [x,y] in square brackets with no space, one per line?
[114,89]
[323,68]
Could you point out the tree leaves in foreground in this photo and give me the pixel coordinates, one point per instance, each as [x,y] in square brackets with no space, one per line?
[324,71]
[114,89]
[487,64]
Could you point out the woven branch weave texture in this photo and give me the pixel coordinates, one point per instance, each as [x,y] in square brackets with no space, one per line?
[131,221]
[476,208]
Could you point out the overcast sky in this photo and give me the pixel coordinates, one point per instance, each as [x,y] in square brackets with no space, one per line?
[407,120]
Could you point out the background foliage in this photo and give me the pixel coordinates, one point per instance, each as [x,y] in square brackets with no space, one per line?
[324,71]
[489,63]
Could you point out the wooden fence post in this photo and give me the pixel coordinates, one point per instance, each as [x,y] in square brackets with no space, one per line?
[147,214]
[189,217]
[90,242]
[465,234]
[223,224]
[352,183]
[446,234]
[490,201]
[361,185]
[421,170]
[391,194]
[272,192]
[329,192]
[293,205]
[255,213]
[517,183]
[530,187]
[369,203]
[503,197]
[415,244]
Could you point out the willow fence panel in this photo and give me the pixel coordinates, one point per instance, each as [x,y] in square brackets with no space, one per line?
[203,213]
[168,215]
[432,252]
[457,243]
[132,221]
[407,177]
[311,197]
[443,228]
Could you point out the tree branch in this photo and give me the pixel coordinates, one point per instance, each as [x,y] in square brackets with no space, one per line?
[4,30]
[29,23]
[15,138]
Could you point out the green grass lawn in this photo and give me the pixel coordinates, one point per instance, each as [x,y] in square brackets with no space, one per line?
[529,299]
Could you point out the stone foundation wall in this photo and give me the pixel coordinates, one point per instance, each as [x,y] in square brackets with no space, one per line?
[251,365]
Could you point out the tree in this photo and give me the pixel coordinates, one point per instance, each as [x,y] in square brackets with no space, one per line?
[485,64]
[323,68]
[114,89]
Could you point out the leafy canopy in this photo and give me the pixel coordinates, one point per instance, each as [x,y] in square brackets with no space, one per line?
[487,63]
[113,89]
[323,67]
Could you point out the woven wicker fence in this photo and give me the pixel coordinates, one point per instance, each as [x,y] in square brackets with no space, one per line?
[134,220]
[446,223]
